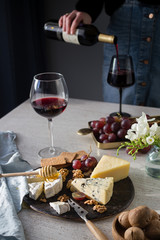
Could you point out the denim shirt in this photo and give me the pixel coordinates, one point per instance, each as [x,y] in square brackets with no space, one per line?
[137,26]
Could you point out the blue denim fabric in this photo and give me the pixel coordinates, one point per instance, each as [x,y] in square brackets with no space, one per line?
[133,24]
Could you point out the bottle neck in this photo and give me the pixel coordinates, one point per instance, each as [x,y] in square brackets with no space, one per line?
[107,38]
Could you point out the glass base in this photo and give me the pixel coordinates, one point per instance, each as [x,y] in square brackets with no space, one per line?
[153,164]
[49,152]
[123,114]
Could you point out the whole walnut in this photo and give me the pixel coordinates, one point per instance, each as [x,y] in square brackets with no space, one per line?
[134,233]
[154,215]
[123,219]
[152,231]
[139,216]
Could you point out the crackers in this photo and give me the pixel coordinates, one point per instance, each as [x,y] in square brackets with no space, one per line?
[63,160]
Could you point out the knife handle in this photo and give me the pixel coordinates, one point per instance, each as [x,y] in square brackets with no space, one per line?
[96,231]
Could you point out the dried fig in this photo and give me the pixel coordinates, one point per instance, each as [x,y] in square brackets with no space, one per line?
[134,233]
[139,216]
[123,219]
[152,231]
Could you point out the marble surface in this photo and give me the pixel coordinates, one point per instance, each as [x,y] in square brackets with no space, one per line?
[32,135]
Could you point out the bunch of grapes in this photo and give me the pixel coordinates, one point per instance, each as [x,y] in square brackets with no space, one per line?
[110,129]
[86,163]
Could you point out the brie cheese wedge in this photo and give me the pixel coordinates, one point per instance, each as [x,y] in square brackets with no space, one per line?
[51,188]
[35,189]
[60,207]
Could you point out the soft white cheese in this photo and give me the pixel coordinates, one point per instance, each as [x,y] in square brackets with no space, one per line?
[35,189]
[51,188]
[60,207]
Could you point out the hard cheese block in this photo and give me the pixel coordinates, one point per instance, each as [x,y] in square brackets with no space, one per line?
[98,189]
[109,166]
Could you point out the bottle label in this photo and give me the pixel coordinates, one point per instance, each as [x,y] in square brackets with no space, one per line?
[71,38]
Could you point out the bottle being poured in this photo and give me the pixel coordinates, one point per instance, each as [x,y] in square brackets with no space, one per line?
[86,34]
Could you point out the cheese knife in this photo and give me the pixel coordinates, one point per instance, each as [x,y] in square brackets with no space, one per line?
[82,213]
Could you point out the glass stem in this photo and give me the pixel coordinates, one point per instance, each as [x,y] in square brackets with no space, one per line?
[120,101]
[50,126]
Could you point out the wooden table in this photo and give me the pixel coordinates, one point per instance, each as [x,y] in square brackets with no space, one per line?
[32,135]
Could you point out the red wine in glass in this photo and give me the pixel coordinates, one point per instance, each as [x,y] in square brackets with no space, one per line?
[121,75]
[49,98]
[49,107]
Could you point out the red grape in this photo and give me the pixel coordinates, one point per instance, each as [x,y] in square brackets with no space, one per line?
[99,124]
[91,162]
[145,150]
[76,164]
[79,196]
[84,157]
[112,137]
[115,127]
[96,131]
[101,131]
[121,133]
[83,167]
[126,124]
[93,123]
[109,119]
[130,149]
[102,137]
[103,119]
[107,128]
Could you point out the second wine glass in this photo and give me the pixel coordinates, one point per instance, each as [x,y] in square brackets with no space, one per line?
[121,75]
[49,98]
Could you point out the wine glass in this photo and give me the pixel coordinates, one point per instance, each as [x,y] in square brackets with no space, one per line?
[121,75]
[49,98]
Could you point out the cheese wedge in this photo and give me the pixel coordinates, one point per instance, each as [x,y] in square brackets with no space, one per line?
[35,189]
[98,189]
[60,207]
[109,166]
[51,188]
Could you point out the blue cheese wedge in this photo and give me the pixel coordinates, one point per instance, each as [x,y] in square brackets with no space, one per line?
[60,207]
[52,187]
[98,189]
[35,189]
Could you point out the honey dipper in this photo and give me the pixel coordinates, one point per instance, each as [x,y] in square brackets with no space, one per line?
[47,171]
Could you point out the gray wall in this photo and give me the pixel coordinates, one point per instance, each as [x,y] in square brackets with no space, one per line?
[80,65]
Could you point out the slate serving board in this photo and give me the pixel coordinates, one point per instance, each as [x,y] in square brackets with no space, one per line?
[123,194]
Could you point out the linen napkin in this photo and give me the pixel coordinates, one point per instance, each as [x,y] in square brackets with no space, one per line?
[12,189]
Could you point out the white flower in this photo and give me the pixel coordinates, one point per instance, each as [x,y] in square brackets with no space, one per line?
[153,129]
[131,135]
[150,140]
[142,119]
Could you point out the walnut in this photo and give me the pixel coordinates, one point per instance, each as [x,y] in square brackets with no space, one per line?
[63,198]
[100,208]
[64,172]
[77,173]
[134,233]
[68,185]
[91,202]
[43,200]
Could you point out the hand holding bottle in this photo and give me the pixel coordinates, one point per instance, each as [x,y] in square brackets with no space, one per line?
[70,21]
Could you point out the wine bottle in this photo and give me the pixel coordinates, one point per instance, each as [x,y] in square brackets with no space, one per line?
[86,34]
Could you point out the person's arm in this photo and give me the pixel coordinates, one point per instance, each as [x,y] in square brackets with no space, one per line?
[86,12]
